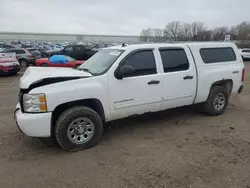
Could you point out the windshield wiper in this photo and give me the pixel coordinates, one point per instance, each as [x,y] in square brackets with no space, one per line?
[84,69]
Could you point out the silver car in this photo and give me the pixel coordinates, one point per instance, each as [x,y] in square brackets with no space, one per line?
[24,57]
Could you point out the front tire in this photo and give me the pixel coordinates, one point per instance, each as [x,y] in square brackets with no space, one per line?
[78,128]
[217,101]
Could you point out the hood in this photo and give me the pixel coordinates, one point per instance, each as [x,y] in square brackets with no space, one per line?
[49,75]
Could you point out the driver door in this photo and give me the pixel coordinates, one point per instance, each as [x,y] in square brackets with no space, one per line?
[138,93]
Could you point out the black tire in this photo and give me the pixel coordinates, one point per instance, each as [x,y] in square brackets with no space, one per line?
[67,117]
[24,62]
[210,105]
[44,65]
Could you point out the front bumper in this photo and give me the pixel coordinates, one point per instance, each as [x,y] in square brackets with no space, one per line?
[9,70]
[34,125]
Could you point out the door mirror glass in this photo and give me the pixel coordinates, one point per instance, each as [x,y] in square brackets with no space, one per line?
[124,71]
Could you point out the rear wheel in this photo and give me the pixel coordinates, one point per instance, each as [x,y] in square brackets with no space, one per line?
[78,128]
[24,62]
[217,101]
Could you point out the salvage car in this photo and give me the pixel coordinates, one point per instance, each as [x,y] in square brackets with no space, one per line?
[70,62]
[24,57]
[72,105]
[9,64]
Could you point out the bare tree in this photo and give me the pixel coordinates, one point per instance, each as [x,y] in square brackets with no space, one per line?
[197,29]
[243,31]
[219,33]
[158,35]
[172,30]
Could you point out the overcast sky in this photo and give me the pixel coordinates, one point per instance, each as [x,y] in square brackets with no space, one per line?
[122,17]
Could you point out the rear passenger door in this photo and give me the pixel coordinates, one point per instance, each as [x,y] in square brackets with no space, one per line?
[179,77]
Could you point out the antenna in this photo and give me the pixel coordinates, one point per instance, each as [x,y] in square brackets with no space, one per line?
[123,44]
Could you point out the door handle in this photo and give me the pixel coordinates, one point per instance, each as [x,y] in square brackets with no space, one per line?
[236,72]
[188,78]
[153,82]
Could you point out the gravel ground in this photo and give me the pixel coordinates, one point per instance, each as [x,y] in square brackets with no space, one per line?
[175,148]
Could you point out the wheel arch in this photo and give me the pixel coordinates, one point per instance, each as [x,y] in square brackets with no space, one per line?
[92,103]
[227,83]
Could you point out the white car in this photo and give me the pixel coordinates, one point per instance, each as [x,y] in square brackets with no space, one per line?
[245,53]
[72,105]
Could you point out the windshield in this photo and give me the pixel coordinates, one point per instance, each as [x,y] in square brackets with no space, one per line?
[70,59]
[2,49]
[101,61]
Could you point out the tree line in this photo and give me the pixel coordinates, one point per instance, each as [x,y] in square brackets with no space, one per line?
[196,31]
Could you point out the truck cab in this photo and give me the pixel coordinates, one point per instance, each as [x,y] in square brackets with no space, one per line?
[78,52]
[73,105]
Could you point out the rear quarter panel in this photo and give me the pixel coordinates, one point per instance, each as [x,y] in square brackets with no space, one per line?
[213,72]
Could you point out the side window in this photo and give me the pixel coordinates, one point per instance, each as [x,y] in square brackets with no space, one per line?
[9,50]
[80,48]
[174,60]
[68,49]
[21,52]
[216,55]
[143,63]
[18,51]
[247,51]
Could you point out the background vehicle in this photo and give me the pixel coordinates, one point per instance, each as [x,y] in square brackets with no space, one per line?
[2,50]
[245,53]
[9,64]
[71,63]
[79,52]
[122,81]
[34,52]
[24,57]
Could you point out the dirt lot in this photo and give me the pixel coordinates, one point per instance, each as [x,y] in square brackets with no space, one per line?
[176,148]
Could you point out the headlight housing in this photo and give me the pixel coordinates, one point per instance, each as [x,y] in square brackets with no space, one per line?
[34,103]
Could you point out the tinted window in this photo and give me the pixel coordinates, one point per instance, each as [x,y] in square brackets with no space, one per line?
[80,48]
[143,63]
[19,51]
[215,55]
[174,60]
[68,49]
[246,51]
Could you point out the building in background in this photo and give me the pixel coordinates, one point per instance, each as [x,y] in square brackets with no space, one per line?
[50,37]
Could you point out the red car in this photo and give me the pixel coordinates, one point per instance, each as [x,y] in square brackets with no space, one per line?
[9,66]
[71,63]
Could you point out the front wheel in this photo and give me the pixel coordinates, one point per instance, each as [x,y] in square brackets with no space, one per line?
[78,128]
[217,101]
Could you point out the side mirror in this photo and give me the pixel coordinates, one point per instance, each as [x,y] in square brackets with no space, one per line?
[124,71]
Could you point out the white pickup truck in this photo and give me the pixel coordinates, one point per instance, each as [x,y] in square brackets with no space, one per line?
[72,105]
